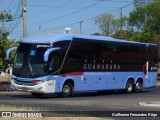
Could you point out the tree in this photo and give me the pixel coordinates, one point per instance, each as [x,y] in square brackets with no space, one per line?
[4,45]
[4,42]
[121,28]
[141,3]
[144,20]
[123,34]
[144,37]
[4,16]
[105,23]
[120,23]
[137,19]
[152,21]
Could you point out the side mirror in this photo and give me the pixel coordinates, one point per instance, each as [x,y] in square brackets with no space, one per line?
[9,51]
[46,54]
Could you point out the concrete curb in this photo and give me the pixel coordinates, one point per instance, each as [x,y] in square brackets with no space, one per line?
[150,104]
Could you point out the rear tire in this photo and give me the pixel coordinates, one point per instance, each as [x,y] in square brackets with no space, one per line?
[138,87]
[67,90]
[37,95]
[129,87]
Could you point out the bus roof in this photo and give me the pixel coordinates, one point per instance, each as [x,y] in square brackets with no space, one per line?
[47,38]
[50,38]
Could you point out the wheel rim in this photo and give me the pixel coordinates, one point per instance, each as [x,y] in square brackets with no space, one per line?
[130,87]
[66,89]
[138,86]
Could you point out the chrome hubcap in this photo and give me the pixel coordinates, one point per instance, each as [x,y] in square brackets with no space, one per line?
[66,89]
[138,86]
[129,87]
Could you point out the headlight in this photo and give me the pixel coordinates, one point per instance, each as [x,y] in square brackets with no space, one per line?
[37,81]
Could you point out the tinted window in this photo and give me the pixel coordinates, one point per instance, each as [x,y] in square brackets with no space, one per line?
[78,50]
[131,53]
[152,53]
[56,57]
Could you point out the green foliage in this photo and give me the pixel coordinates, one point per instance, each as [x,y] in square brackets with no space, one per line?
[123,34]
[4,45]
[5,15]
[143,23]
[137,19]
[120,23]
[143,37]
[145,18]
[141,3]
[153,13]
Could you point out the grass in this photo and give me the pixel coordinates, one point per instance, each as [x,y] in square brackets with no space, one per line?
[18,108]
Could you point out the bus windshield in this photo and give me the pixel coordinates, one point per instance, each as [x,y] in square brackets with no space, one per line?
[29,60]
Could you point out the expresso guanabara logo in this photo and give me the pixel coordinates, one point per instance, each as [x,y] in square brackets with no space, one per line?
[100,65]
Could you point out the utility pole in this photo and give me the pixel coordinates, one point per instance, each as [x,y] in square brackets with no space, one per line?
[24,18]
[80,23]
[121,15]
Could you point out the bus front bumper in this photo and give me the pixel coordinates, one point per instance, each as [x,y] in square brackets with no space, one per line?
[45,87]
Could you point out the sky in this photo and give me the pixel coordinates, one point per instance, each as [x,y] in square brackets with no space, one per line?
[53,16]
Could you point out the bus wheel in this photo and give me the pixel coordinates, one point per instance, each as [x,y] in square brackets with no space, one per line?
[138,87]
[38,95]
[129,87]
[67,90]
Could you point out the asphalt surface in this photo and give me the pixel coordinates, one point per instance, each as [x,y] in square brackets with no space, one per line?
[90,101]
[147,103]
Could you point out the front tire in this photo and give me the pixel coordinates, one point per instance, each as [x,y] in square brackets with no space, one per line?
[129,87]
[67,90]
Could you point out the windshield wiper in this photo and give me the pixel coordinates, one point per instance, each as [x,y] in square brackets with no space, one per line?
[24,67]
[30,68]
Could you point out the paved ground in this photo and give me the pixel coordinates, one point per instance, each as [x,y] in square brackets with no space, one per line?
[111,101]
[86,101]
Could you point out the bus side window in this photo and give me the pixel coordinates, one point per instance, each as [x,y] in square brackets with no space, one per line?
[109,51]
[152,53]
[78,50]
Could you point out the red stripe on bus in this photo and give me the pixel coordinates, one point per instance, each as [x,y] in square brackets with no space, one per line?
[72,73]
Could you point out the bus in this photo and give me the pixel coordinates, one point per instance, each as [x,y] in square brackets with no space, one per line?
[68,63]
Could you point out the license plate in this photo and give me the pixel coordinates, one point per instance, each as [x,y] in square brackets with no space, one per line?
[24,89]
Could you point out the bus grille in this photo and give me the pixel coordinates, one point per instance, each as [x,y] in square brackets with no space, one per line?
[24,82]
